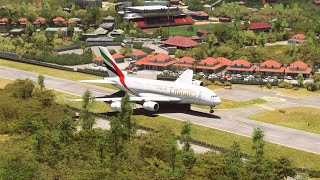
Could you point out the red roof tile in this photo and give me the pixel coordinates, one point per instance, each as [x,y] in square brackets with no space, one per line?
[40,20]
[70,21]
[270,63]
[299,36]
[146,61]
[241,62]
[204,31]
[23,20]
[4,20]
[195,37]
[224,61]
[298,67]
[162,57]
[139,53]
[99,58]
[186,60]
[259,25]
[117,56]
[277,70]
[58,19]
[180,41]
[298,64]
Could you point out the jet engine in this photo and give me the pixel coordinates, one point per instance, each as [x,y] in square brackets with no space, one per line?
[197,82]
[116,106]
[151,106]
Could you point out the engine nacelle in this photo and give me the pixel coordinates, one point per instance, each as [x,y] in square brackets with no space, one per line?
[197,82]
[151,106]
[116,106]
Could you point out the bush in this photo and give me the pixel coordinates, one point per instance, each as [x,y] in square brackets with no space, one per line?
[218,83]
[290,86]
[269,86]
[227,83]
[312,87]
[137,45]
[282,111]
[295,88]
[286,85]
[63,59]
[147,50]
[171,52]
[112,51]
[206,82]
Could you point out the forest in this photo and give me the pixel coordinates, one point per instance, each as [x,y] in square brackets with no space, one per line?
[41,139]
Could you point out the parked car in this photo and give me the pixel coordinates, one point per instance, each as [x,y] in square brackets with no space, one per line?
[288,77]
[129,68]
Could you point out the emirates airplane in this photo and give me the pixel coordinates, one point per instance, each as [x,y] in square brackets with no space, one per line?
[150,93]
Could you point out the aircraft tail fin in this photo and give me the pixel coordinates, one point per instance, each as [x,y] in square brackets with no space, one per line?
[110,63]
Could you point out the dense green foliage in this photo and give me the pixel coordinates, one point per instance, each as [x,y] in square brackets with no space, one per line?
[63,59]
[45,144]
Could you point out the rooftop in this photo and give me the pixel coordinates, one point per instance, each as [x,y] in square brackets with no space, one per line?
[138,53]
[241,62]
[200,13]
[270,63]
[180,41]
[147,61]
[117,56]
[299,36]
[259,25]
[204,31]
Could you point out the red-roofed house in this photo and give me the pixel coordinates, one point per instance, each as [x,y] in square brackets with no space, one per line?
[23,21]
[58,20]
[187,62]
[99,61]
[298,67]
[4,21]
[200,15]
[118,57]
[240,66]
[158,62]
[317,2]
[271,68]
[40,20]
[213,65]
[202,32]
[260,26]
[138,55]
[296,39]
[180,42]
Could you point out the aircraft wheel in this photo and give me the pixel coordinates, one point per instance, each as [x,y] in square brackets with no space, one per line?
[211,111]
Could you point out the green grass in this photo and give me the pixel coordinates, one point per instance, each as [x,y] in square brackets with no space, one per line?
[74,76]
[305,119]
[231,104]
[183,30]
[224,139]
[98,107]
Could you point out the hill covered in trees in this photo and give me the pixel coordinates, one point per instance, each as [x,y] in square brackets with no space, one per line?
[41,139]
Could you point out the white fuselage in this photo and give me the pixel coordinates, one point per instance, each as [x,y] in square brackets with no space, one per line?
[188,93]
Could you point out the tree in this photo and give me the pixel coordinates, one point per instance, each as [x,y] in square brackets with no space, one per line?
[316,77]
[116,137]
[188,156]
[300,79]
[234,162]
[83,46]
[87,120]
[20,88]
[45,96]
[67,130]
[128,122]
[190,29]
[41,81]
[284,168]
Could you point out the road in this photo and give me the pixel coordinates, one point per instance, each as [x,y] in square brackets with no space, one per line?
[232,120]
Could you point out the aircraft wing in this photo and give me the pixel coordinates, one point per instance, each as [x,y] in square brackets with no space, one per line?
[185,77]
[136,99]
[101,81]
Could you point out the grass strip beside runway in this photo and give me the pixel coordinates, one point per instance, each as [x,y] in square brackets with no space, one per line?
[231,104]
[305,119]
[301,159]
[74,76]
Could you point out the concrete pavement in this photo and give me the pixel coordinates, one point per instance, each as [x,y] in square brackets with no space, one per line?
[232,120]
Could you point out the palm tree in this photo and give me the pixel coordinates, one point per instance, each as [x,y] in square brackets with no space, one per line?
[190,29]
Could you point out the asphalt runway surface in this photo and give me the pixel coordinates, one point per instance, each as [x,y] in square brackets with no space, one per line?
[231,120]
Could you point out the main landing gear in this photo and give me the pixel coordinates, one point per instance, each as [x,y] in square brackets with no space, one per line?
[211,109]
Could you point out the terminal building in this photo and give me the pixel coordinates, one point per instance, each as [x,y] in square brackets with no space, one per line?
[155,16]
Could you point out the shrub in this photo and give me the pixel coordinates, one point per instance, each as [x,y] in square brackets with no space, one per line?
[147,50]
[63,59]
[206,82]
[282,111]
[218,83]
[312,87]
[112,51]
[283,84]
[197,77]
[290,86]
[269,86]
[227,83]
[295,88]
[137,45]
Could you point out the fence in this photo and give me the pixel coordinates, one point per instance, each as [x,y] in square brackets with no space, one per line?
[15,57]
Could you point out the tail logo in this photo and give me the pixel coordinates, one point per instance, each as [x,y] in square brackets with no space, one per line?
[113,68]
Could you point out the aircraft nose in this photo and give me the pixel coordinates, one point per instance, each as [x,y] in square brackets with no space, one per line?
[217,100]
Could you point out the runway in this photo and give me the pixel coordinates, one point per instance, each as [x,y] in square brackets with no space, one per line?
[232,120]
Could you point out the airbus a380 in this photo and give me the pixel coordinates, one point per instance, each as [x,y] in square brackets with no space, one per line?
[150,93]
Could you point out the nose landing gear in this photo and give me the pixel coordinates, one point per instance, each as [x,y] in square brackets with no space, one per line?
[211,109]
